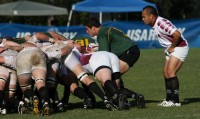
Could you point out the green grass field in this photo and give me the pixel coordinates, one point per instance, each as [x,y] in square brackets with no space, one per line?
[145,77]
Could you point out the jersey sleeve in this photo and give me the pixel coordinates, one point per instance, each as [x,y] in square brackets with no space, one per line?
[166,27]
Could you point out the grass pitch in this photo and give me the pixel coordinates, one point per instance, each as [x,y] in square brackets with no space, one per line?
[146,78]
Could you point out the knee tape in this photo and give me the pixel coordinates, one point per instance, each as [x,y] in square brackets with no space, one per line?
[2,79]
[82,76]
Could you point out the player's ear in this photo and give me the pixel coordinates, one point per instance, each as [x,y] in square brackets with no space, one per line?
[93,28]
[151,16]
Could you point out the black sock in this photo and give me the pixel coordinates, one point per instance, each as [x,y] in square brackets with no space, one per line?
[175,89]
[80,93]
[12,101]
[43,94]
[66,94]
[128,93]
[121,83]
[111,87]
[53,94]
[1,97]
[168,89]
[95,88]
[89,93]
[19,93]
[28,93]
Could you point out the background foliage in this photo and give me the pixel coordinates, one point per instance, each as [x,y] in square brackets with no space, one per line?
[170,9]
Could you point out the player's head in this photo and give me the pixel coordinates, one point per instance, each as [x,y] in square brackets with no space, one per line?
[91,25]
[92,47]
[92,22]
[151,10]
[149,15]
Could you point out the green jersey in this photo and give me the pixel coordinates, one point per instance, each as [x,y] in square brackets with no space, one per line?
[113,40]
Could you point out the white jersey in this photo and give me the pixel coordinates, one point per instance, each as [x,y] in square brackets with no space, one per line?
[52,51]
[38,43]
[163,29]
[10,58]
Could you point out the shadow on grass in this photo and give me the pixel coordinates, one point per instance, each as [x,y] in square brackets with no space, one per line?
[77,105]
[190,100]
[152,101]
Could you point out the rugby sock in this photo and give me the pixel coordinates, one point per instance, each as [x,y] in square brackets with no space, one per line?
[19,93]
[128,93]
[80,93]
[13,102]
[175,89]
[43,94]
[28,93]
[66,94]
[111,87]
[168,89]
[121,83]
[89,93]
[95,88]
[1,97]
[53,94]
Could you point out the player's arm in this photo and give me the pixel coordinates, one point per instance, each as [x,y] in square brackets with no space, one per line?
[12,45]
[57,36]
[43,37]
[176,39]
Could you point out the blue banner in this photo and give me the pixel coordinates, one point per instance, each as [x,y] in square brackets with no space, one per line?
[143,35]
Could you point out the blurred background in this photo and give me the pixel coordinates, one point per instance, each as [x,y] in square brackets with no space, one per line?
[171,9]
[19,18]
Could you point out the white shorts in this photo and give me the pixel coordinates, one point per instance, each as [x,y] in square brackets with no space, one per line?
[71,61]
[103,58]
[9,75]
[30,59]
[180,53]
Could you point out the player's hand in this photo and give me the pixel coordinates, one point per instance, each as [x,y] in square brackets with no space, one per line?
[168,51]
[2,49]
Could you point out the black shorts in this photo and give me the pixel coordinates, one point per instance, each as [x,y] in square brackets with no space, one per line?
[131,55]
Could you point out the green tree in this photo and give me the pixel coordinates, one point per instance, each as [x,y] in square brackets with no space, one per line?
[171,9]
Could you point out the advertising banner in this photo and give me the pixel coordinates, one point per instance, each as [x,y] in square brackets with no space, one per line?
[143,35]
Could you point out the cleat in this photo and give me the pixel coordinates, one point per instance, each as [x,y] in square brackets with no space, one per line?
[28,104]
[60,107]
[110,105]
[21,108]
[46,109]
[127,105]
[164,102]
[177,104]
[87,103]
[122,100]
[57,107]
[36,105]
[169,104]
[3,111]
[140,101]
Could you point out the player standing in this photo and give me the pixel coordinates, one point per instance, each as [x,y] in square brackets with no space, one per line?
[176,52]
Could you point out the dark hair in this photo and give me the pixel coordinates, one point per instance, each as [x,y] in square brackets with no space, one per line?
[92,22]
[151,10]
[9,38]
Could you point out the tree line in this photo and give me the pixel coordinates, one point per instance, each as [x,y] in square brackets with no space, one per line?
[170,9]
